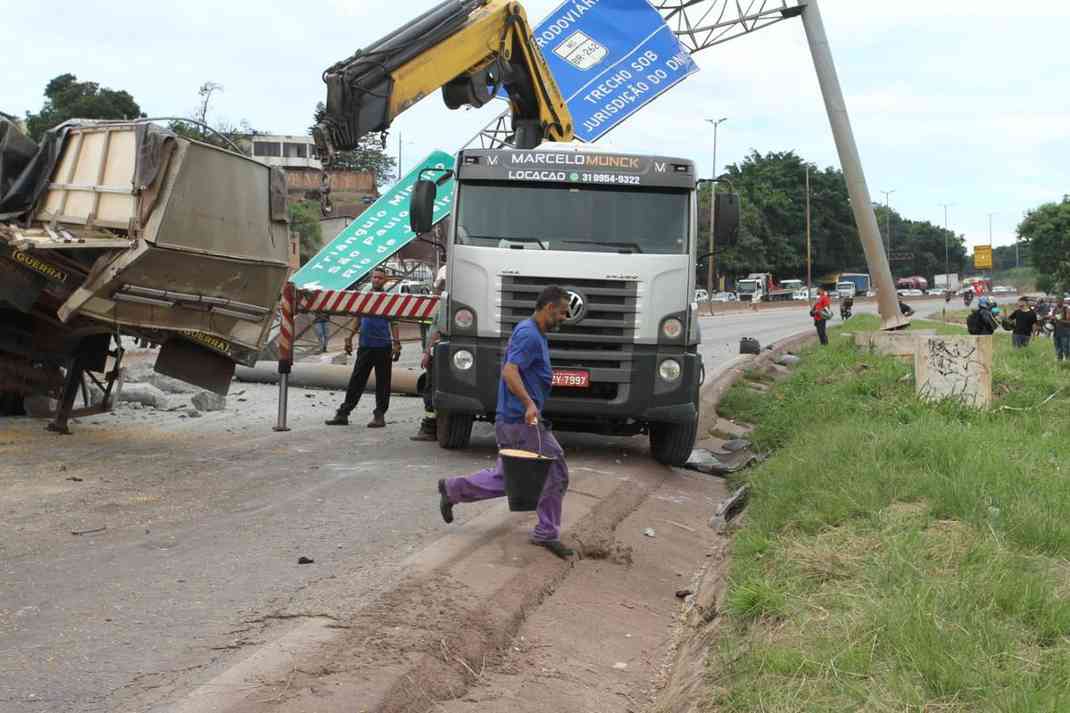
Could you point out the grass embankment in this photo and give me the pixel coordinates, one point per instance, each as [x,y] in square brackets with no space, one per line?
[897,555]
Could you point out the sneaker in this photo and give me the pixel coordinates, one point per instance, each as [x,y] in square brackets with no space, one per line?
[444,505]
[340,419]
[556,547]
[377,422]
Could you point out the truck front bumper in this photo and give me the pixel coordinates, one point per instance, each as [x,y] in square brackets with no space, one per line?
[643,398]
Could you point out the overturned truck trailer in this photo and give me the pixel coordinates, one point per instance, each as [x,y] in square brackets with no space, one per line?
[124,228]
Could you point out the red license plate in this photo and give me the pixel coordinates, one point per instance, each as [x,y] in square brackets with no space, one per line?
[572,379]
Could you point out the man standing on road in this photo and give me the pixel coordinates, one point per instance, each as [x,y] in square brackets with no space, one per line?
[1024,319]
[821,313]
[1061,315]
[525,384]
[380,345]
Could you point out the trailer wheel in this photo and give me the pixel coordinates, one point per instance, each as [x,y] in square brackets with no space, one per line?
[672,443]
[454,429]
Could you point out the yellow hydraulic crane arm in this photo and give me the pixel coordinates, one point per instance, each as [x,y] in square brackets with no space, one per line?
[468,48]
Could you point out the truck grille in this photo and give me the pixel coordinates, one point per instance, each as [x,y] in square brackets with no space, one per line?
[600,341]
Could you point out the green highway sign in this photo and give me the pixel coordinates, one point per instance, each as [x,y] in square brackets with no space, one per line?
[375,234]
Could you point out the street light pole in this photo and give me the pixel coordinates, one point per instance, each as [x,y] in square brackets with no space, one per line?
[809,262]
[710,265]
[947,254]
[888,217]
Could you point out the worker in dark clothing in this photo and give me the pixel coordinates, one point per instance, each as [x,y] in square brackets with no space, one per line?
[1061,315]
[981,321]
[522,392]
[380,345]
[429,423]
[1024,319]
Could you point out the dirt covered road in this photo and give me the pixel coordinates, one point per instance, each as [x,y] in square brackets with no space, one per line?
[151,551]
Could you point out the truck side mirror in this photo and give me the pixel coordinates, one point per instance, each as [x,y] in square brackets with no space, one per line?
[726,225]
[422,207]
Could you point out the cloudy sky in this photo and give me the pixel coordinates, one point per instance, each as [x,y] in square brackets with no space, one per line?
[953,101]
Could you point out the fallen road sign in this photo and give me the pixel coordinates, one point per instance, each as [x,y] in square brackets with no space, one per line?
[375,235]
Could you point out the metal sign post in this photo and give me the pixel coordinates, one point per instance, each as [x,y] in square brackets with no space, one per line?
[402,308]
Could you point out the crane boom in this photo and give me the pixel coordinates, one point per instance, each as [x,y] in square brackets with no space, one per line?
[469,49]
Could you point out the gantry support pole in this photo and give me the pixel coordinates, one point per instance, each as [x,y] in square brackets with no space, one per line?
[851,163]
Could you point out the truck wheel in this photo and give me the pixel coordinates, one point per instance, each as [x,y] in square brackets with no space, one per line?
[454,429]
[672,443]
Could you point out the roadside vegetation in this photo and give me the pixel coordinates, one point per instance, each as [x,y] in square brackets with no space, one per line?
[897,555]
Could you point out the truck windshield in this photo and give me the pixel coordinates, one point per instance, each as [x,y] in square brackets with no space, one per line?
[747,286]
[587,219]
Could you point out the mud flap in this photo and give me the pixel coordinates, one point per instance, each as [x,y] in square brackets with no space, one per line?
[197,365]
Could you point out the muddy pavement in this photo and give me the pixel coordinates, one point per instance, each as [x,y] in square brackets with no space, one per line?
[205,521]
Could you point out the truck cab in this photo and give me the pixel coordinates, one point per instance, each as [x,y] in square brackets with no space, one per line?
[618,233]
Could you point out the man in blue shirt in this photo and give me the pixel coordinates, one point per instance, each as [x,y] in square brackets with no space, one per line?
[380,344]
[522,391]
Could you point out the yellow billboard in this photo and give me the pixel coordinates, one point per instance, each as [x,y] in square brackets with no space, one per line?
[982,257]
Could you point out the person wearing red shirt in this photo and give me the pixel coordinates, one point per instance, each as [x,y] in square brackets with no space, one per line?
[821,311]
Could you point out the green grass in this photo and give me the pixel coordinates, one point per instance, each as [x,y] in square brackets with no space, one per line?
[898,555]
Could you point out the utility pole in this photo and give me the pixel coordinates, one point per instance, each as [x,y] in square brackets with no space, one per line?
[711,263]
[888,217]
[399,162]
[947,258]
[809,261]
[992,269]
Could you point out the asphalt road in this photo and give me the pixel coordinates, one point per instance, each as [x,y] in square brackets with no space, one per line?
[191,529]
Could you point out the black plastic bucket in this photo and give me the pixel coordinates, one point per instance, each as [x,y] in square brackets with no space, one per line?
[525,475]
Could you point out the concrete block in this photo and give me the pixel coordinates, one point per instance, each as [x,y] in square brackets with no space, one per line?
[958,368]
[901,344]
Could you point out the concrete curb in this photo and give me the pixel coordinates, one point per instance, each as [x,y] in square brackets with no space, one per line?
[696,629]
[714,391]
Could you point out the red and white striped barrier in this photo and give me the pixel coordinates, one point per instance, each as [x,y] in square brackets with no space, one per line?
[403,308]
[372,304]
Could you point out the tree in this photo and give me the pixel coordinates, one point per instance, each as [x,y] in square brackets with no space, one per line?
[772,235]
[1046,232]
[368,156]
[67,98]
[305,221]
[222,133]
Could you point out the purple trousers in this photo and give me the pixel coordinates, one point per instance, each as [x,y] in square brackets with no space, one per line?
[490,482]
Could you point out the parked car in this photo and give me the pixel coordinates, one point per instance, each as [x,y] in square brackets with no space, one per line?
[1003,290]
[724,297]
[702,296]
[911,293]
[800,295]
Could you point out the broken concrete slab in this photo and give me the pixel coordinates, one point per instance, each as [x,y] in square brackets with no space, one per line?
[209,401]
[705,461]
[143,394]
[736,430]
